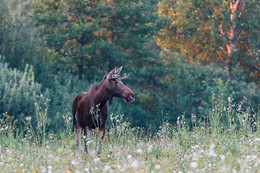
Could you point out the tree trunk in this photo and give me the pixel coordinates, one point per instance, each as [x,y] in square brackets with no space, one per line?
[231,45]
[232,36]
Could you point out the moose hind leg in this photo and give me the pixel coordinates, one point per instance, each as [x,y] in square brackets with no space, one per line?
[101,133]
[77,136]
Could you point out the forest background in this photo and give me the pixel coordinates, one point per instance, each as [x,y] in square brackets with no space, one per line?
[180,54]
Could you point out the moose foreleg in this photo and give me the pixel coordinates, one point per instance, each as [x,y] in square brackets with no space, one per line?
[101,133]
[86,138]
[77,136]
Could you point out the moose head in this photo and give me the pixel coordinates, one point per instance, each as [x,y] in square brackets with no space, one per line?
[116,87]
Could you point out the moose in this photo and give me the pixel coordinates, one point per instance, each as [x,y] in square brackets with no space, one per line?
[89,109]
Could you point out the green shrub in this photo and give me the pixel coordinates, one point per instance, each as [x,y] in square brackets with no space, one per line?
[18,91]
[180,88]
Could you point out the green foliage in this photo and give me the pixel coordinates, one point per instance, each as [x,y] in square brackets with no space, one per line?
[180,88]
[90,37]
[61,97]
[18,91]
[18,36]
[66,40]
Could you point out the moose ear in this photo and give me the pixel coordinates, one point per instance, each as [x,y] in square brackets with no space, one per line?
[110,74]
[118,71]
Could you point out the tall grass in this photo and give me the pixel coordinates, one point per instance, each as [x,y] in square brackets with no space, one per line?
[226,140]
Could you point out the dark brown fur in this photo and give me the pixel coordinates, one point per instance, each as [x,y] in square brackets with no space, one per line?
[96,98]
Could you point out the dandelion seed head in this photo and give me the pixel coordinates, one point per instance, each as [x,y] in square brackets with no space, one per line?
[223,157]
[194,165]
[157,167]
[106,168]
[129,156]
[73,162]
[86,170]
[150,148]
[139,151]
[135,164]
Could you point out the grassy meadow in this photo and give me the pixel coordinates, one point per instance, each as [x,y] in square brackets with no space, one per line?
[226,140]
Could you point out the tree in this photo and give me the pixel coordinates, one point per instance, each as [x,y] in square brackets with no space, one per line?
[223,32]
[92,36]
[17,34]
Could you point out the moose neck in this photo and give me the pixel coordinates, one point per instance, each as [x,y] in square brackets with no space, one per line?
[102,94]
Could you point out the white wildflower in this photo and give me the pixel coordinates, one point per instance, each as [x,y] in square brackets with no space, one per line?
[139,151]
[43,169]
[251,157]
[96,159]
[135,164]
[150,148]
[178,120]
[223,157]
[73,162]
[49,169]
[234,171]
[111,116]
[211,150]
[157,167]
[195,147]
[88,141]
[106,168]
[194,165]
[28,118]
[86,170]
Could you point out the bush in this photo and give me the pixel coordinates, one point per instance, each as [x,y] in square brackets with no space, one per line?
[18,91]
[181,88]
